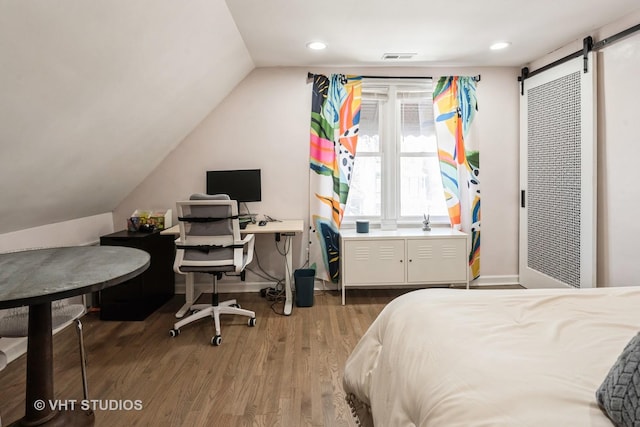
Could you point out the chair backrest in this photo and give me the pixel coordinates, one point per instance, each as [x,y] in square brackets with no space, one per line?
[209,230]
[14,322]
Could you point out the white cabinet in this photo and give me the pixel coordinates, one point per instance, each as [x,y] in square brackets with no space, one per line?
[437,260]
[373,261]
[403,257]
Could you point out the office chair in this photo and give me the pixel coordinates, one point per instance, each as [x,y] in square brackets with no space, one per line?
[15,324]
[210,243]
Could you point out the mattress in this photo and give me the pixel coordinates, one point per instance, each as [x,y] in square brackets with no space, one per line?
[449,357]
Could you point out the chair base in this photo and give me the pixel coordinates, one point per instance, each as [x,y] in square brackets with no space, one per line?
[201,311]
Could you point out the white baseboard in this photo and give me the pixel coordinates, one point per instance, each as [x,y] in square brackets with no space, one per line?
[323,285]
[496,281]
[227,288]
[240,287]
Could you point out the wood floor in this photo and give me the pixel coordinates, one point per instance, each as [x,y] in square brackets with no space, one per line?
[286,371]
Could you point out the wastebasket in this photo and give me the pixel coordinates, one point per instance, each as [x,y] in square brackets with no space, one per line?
[304,279]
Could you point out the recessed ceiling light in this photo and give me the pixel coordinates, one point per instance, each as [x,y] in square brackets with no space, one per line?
[500,45]
[316,45]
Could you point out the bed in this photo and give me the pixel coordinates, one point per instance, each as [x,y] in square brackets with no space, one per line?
[452,357]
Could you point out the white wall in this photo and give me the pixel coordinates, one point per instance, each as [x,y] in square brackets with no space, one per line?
[264,123]
[618,151]
[82,231]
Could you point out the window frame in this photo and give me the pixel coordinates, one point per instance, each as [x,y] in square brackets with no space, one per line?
[390,153]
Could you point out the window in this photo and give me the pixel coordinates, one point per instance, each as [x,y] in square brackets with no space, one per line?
[396,177]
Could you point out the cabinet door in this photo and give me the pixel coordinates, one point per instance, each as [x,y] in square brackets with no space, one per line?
[436,260]
[373,261]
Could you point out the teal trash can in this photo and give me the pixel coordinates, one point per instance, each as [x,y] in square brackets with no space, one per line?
[304,281]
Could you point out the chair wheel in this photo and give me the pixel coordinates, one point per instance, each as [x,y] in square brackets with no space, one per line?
[217,340]
[174,332]
[252,322]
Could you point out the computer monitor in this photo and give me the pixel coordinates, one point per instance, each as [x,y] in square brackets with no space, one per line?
[242,185]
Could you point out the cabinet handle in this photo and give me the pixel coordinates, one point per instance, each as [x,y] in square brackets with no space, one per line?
[401,260]
[410,260]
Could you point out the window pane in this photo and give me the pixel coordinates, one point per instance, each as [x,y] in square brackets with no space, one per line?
[368,144]
[421,187]
[419,144]
[417,130]
[365,190]
[368,134]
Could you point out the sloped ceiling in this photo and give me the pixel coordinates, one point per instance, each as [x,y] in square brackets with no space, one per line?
[94,94]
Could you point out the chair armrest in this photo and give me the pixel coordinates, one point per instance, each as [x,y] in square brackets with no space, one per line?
[248,242]
[248,238]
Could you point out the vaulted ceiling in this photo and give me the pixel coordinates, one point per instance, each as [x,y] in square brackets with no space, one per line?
[95,94]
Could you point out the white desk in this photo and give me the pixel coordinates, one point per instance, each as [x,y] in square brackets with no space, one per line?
[286,228]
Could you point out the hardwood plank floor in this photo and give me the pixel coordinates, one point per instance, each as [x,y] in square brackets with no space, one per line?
[286,371]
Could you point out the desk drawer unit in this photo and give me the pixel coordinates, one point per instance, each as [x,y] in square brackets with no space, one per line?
[137,298]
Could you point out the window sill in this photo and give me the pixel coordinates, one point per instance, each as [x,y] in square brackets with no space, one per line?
[377,226]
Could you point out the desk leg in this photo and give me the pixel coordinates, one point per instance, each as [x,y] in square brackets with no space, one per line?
[288,272]
[191,296]
[39,409]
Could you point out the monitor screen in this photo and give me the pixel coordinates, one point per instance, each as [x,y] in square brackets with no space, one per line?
[241,185]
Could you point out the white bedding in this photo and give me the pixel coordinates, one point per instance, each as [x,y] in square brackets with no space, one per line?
[516,358]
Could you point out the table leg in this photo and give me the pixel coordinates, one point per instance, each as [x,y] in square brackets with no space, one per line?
[39,365]
[191,296]
[288,266]
[40,404]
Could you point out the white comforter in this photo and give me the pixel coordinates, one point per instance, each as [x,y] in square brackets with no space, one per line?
[516,358]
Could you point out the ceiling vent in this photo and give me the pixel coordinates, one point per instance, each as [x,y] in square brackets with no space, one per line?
[395,56]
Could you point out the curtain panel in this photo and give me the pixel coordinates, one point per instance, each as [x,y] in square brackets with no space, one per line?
[455,106]
[335,117]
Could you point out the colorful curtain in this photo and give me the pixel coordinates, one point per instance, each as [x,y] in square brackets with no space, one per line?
[335,115]
[455,106]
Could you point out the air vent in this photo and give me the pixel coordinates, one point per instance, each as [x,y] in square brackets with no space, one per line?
[395,56]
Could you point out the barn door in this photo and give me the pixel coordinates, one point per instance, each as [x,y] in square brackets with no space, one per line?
[558,176]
